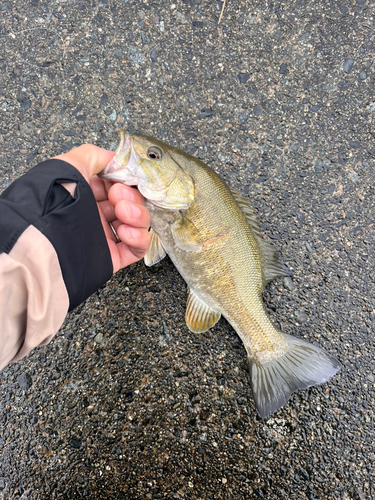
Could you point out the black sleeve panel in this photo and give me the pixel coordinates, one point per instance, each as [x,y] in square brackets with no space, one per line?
[72,225]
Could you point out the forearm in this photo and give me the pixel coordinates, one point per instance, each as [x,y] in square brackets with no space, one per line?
[53,255]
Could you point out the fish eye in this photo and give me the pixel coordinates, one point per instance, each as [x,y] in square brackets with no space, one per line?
[155,153]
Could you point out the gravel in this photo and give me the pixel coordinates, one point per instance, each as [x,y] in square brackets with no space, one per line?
[279,100]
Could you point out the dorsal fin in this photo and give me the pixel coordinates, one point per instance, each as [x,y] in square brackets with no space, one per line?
[271,264]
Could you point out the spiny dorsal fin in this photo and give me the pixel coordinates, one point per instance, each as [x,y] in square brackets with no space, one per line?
[185,234]
[155,252]
[272,266]
[199,317]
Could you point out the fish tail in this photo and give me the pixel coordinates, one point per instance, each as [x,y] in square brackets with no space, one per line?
[302,365]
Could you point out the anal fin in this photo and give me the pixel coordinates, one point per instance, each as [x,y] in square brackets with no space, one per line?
[155,252]
[199,317]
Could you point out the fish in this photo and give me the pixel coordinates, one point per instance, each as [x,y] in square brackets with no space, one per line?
[211,234]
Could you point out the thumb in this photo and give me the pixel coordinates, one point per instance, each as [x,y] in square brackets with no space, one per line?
[88,159]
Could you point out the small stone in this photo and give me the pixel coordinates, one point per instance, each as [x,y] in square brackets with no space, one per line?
[204,414]
[354,144]
[126,114]
[363,75]
[113,116]
[252,19]
[283,70]
[257,110]
[294,146]
[99,339]
[25,103]
[243,117]
[75,442]
[343,9]
[348,65]
[371,107]
[118,53]
[300,316]
[25,381]
[321,165]
[154,55]
[134,81]
[145,38]
[97,127]
[243,77]
[242,400]
[354,176]
[164,336]
[304,36]
[288,284]
[136,56]
[308,247]
[180,18]
[224,158]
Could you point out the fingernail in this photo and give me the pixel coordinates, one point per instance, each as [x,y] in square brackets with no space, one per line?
[133,232]
[135,211]
[126,194]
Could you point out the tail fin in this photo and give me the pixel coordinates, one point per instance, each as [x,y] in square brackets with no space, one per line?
[302,366]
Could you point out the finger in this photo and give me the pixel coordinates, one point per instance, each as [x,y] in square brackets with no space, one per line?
[88,159]
[105,223]
[122,255]
[132,214]
[137,239]
[99,188]
[121,192]
[107,210]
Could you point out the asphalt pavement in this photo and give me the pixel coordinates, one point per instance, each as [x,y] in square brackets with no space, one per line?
[126,402]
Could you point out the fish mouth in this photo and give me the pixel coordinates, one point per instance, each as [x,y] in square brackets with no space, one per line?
[123,165]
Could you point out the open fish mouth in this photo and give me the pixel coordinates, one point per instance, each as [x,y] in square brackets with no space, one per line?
[140,161]
[123,166]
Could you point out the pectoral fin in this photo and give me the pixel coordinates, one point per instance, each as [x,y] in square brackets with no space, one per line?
[185,234]
[199,317]
[155,252]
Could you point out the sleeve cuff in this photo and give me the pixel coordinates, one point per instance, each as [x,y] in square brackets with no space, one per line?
[72,225]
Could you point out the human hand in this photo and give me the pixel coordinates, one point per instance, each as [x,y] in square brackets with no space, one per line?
[119,205]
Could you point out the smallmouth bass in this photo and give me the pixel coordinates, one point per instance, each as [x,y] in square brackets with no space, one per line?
[211,234]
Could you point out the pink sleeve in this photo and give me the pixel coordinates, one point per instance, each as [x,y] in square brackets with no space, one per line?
[33,297]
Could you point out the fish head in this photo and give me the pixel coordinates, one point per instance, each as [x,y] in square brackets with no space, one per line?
[145,162]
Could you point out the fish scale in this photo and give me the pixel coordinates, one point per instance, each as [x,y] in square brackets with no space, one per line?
[211,234]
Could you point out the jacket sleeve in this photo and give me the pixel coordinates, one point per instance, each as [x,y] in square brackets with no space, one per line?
[53,255]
